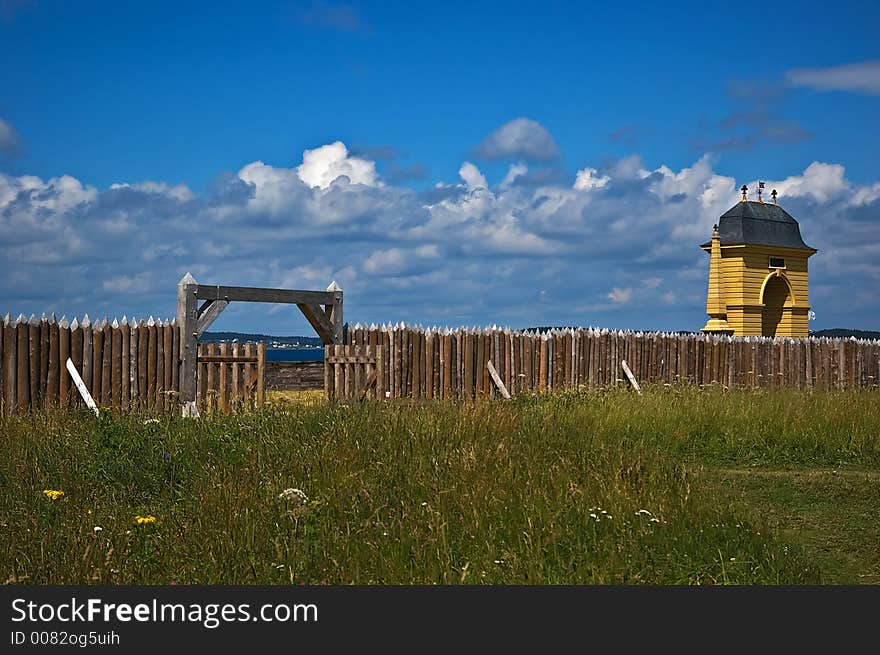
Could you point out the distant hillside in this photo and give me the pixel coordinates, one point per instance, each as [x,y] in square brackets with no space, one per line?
[270,341]
[843,332]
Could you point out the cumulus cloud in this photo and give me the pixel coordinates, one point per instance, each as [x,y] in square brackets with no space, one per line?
[861,77]
[617,245]
[472,176]
[10,144]
[322,166]
[521,138]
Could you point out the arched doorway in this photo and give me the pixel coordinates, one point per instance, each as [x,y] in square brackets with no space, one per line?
[776,295]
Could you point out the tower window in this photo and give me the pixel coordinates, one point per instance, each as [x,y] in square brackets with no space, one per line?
[777,262]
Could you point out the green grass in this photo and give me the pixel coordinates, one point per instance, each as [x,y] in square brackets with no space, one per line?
[672,487]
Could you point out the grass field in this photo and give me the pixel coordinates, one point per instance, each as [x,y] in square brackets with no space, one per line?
[678,486]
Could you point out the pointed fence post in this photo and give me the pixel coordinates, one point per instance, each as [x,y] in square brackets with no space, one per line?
[335,313]
[187,319]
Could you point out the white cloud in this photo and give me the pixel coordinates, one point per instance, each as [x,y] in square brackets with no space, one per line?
[472,176]
[322,166]
[621,296]
[820,181]
[521,138]
[461,253]
[587,179]
[861,77]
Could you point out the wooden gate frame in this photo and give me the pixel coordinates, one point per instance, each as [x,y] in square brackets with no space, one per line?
[322,309]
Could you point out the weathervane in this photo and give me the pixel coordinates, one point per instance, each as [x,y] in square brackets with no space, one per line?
[760,189]
[745,190]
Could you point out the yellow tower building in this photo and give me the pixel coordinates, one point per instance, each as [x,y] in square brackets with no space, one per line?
[757,272]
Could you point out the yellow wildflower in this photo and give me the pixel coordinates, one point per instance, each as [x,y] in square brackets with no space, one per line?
[149,518]
[53,494]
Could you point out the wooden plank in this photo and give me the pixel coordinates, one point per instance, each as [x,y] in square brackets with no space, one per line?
[106,363]
[125,364]
[497,380]
[318,320]
[261,374]
[81,387]
[544,345]
[328,379]
[10,360]
[236,391]
[23,387]
[223,383]
[43,370]
[152,346]
[175,359]
[429,365]
[34,362]
[53,367]
[133,378]
[76,354]
[143,354]
[212,374]
[167,345]
[260,294]
[338,374]
[630,376]
[159,400]
[208,312]
[116,379]
[187,321]
[63,354]
[446,341]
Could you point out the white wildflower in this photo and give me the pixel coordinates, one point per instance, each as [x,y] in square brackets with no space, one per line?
[294,495]
[151,420]
[97,529]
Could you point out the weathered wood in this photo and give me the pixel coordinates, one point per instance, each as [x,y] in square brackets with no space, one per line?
[143,354]
[125,364]
[63,354]
[10,360]
[77,346]
[116,366]
[318,320]
[81,387]
[168,366]
[106,363]
[497,379]
[23,387]
[159,399]
[34,362]
[630,376]
[43,371]
[223,385]
[133,363]
[261,374]
[207,313]
[187,321]
[97,362]
[259,294]
[152,345]
[53,368]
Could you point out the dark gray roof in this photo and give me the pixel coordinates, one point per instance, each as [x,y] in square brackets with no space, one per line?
[759,223]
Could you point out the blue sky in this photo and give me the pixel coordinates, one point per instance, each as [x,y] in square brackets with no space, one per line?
[511,163]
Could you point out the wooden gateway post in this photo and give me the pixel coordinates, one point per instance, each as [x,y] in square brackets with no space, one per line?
[322,309]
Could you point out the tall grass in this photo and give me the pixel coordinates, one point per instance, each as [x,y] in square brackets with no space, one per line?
[556,489]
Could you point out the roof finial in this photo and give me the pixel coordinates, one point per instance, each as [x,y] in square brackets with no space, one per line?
[760,189]
[773,195]
[745,191]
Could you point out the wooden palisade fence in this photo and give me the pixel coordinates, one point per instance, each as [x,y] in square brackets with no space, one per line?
[444,363]
[127,365]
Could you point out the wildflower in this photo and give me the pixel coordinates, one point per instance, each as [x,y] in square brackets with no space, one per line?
[294,495]
[499,561]
[424,503]
[141,520]
[97,529]
[151,420]
[643,511]
[653,520]
[593,516]
[53,494]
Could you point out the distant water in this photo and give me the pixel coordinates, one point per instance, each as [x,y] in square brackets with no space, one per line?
[295,355]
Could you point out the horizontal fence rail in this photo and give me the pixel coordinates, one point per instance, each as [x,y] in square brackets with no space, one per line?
[444,363]
[128,365]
